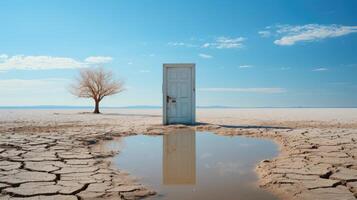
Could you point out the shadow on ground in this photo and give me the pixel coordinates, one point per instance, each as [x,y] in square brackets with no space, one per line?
[131,115]
[241,126]
[117,114]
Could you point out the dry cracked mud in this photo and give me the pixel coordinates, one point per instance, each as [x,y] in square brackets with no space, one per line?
[59,166]
[59,156]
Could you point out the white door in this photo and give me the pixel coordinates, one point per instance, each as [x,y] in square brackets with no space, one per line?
[179,94]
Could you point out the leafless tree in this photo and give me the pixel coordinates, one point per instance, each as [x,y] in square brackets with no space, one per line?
[96,83]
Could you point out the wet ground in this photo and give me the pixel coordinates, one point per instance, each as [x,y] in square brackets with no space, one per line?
[189,165]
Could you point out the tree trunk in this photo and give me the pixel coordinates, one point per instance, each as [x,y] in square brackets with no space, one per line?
[96,109]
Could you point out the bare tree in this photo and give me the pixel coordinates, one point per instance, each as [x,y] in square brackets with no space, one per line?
[96,83]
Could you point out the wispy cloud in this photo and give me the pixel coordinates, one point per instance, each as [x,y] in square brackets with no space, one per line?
[98,59]
[320,69]
[222,42]
[144,71]
[245,66]
[229,168]
[21,62]
[3,57]
[290,35]
[38,63]
[264,33]
[182,44]
[225,43]
[205,56]
[349,65]
[247,90]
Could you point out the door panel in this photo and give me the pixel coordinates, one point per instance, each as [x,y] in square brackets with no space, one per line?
[179,94]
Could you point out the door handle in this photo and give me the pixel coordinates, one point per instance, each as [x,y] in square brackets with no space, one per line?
[168,98]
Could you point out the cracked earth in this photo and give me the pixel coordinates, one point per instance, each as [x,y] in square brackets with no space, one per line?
[314,164]
[57,154]
[59,166]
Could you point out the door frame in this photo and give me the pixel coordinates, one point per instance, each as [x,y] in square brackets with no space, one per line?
[192,66]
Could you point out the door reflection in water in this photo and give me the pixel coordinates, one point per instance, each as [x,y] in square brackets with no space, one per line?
[186,165]
[179,158]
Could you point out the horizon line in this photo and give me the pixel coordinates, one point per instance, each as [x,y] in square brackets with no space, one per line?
[155,107]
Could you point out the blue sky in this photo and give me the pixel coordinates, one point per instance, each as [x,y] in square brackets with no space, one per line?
[247,53]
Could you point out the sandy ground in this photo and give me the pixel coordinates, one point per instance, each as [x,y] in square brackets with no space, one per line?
[57,150]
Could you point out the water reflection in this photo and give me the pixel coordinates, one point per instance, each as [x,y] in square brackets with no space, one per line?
[184,165]
[179,158]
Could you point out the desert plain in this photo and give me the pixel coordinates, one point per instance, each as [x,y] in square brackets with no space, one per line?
[57,154]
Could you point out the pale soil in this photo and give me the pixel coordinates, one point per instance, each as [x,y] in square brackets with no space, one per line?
[317,159]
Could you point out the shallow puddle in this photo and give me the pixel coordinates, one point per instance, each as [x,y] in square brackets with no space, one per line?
[201,165]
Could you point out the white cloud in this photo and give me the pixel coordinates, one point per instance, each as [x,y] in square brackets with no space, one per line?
[229,168]
[144,71]
[265,33]
[290,35]
[245,66]
[205,56]
[130,63]
[206,45]
[320,69]
[38,63]
[248,90]
[22,62]
[218,43]
[98,59]
[176,44]
[183,44]
[225,43]
[3,57]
